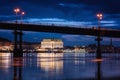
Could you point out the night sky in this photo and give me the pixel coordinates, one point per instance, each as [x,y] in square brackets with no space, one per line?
[78,13]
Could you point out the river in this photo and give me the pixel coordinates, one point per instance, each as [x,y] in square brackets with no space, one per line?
[67,66]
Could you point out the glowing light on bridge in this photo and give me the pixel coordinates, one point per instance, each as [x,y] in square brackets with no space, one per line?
[16,10]
[22,13]
[99,16]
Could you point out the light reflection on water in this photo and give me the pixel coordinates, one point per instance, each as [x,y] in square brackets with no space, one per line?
[5,66]
[67,66]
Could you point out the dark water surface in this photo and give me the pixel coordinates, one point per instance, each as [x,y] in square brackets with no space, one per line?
[67,66]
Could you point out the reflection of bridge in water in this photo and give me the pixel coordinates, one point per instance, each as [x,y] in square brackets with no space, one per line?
[98,32]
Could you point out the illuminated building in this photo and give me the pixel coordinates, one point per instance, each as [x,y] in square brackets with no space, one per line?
[52,44]
[5,45]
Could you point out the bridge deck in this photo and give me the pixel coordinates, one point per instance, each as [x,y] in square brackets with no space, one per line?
[63,29]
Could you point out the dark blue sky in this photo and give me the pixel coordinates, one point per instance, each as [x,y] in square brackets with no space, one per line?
[63,12]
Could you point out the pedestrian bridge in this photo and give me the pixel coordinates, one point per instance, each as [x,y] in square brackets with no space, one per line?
[18,28]
[64,29]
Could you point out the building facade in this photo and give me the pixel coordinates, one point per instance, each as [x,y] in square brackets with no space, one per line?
[5,45]
[52,44]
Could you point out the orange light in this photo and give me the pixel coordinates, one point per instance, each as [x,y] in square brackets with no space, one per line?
[99,16]
[16,10]
[97,60]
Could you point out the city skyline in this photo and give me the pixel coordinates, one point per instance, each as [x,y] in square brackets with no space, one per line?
[62,12]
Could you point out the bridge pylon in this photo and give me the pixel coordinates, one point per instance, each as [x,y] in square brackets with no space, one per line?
[18,52]
[98,39]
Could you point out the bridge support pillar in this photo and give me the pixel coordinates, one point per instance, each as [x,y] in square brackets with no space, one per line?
[98,39]
[17,43]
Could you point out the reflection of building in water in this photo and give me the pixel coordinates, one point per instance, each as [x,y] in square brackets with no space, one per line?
[77,59]
[50,64]
[5,60]
[50,55]
[51,43]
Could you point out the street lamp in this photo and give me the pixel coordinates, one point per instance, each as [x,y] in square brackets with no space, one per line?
[16,10]
[99,16]
[98,39]
[21,33]
[22,14]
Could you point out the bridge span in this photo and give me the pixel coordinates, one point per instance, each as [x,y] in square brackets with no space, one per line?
[18,28]
[63,29]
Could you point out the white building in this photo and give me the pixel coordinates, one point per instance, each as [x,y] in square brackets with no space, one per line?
[52,43]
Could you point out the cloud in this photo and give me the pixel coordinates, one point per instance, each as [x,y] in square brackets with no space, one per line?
[78,38]
[109,23]
[53,20]
[68,23]
[6,16]
[111,6]
[71,5]
[71,37]
[58,22]
[64,12]
[113,39]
